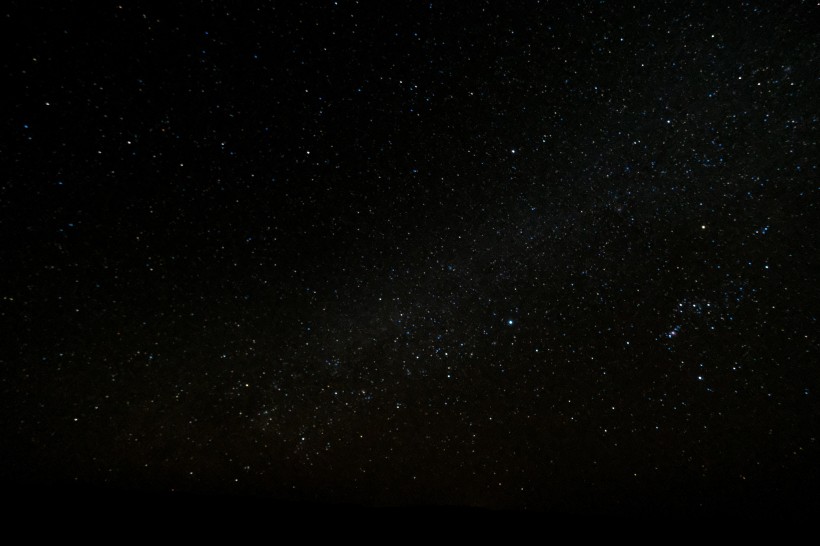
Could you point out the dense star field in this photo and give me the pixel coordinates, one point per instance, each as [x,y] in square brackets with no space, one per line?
[554,256]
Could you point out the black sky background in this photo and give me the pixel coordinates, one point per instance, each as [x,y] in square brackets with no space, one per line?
[551,256]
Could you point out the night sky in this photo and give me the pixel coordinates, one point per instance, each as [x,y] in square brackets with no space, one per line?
[555,256]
